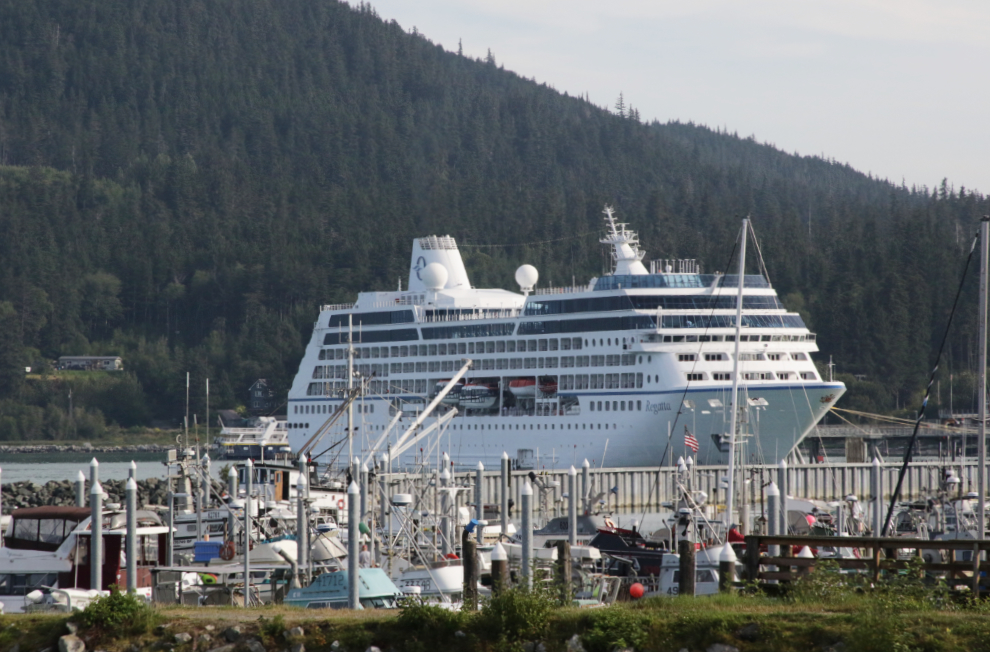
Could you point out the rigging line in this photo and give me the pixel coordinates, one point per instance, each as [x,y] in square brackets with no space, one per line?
[928,390]
[526,244]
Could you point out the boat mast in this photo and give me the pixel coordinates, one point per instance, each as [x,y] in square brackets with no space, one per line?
[730,497]
[981,473]
[350,386]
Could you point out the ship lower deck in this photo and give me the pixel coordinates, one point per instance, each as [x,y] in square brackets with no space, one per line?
[619,428]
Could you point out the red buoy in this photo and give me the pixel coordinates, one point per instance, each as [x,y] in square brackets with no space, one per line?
[636,591]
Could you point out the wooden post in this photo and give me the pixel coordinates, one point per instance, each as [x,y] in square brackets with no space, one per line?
[976,569]
[685,548]
[500,569]
[752,558]
[876,560]
[469,550]
[564,572]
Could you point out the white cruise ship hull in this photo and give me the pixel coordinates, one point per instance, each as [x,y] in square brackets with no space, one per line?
[627,437]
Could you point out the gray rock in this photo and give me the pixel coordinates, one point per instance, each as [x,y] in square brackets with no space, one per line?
[721,647]
[298,647]
[183,637]
[204,639]
[373,649]
[335,646]
[574,644]
[295,632]
[749,633]
[72,628]
[209,628]
[71,643]
[224,648]
[529,646]
[838,647]
[540,647]
[232,634]
[460,634]
[254,645]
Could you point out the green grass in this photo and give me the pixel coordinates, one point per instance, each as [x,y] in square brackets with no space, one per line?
[861,620]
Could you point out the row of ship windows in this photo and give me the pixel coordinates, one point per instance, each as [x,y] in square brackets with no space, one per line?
[424,386]
[469,348]
[743,357]
[565,382]
[538,426]
[753,375]
[550,362]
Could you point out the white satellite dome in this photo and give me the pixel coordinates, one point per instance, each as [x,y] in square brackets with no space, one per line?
[526,277]
[434,276]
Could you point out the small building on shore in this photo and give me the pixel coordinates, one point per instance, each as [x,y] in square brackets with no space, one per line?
[90,363]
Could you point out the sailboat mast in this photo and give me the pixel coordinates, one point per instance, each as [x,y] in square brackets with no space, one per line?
[730,497]
[981,472]
[350,386]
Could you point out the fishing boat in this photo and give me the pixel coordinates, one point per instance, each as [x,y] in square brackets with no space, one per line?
[329,591]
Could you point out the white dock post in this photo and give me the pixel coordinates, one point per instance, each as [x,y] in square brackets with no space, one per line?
[302,530]
[479,500]
[444,508]
[80,490]
[585,486]
[784,486]
[877,487]
[248,482]
[96,535]
[504,495]
[527,534]
[572,506]
[353,537]
[131,550]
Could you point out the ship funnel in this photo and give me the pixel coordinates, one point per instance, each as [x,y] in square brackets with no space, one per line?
[436,249]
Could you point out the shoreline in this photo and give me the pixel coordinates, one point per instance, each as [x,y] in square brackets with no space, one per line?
[84,448]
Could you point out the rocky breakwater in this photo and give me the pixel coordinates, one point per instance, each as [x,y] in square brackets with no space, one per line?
[83,448]
[152,491]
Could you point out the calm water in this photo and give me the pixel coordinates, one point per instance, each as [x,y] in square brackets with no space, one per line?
[44,467]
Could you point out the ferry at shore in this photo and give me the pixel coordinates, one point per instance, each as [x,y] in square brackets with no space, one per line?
[616,371]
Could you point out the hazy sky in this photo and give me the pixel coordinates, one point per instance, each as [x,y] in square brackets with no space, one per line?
[898,88]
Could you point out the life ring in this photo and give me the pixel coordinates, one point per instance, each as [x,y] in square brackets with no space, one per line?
[227,551]
[340,504]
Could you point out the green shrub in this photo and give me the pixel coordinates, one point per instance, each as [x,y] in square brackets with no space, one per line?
[272,629]
[425,627]
[118,614]
[615,626]
[515,616]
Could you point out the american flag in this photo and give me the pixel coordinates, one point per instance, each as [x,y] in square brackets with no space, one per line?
[690,441]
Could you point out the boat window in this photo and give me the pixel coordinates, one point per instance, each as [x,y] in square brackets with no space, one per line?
[543,345]
[24,583]
[510,346]
[500,346]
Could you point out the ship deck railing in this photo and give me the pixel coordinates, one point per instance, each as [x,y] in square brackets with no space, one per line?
[237,436]
[337,307]
[480,314]
[570,289]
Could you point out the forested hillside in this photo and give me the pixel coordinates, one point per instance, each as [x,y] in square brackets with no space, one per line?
[183,182]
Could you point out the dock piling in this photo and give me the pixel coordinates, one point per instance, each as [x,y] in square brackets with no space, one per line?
[131,551]
[353,538]
[526,495]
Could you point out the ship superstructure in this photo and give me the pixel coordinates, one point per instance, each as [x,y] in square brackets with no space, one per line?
[616,370]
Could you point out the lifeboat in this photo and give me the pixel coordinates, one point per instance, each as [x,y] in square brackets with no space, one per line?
[453,397]
[523,387]
[478,397]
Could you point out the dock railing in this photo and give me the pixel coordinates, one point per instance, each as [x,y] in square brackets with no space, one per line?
[883,556]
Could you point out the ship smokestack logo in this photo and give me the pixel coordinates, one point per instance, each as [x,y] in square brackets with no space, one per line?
[420,266]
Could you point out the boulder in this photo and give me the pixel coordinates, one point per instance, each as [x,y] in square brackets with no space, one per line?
[295,632]
[183,637]
[71,643]
[254,645]
[574,644]
[232,634]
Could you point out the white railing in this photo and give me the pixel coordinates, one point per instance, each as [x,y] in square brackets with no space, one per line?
[338,306]
[472,316]
[561,290]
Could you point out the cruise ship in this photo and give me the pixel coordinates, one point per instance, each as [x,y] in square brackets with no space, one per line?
[618,371]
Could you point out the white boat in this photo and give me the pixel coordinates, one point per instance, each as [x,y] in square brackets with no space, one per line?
[523,387]
[616,361]
[45,564]
[478,397]
[257,438]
